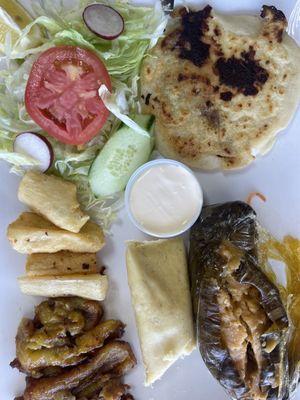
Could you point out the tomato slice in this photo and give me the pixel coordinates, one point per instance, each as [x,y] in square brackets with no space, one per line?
[62,94]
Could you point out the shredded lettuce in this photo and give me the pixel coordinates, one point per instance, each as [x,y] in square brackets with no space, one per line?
[59,24]
[116,103]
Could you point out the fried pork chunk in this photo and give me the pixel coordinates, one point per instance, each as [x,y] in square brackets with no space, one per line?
[69,353]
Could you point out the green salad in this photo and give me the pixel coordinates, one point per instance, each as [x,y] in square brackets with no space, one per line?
[122,57]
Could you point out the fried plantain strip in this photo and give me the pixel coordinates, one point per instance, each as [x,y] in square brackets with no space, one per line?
[114,390]
[56,310]
[32,360]
[105,359]
[93,384]
[95,338]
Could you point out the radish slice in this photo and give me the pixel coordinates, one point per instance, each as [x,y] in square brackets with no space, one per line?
[36,146]
[103,20]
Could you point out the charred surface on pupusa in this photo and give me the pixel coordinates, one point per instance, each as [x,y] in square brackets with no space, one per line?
[244,74]
[275,23]
[234,62]
[190,43]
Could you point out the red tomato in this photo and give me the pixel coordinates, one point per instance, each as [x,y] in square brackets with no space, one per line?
[62,94]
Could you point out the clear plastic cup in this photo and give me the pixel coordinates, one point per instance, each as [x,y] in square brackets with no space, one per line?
[139,172]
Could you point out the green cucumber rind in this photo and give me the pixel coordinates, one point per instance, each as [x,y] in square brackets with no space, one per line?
[110,171]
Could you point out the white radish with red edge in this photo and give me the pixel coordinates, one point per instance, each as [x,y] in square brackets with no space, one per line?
[103,21]
[36,146]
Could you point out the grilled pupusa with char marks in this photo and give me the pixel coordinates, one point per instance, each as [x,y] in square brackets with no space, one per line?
[221,86]
[242,325]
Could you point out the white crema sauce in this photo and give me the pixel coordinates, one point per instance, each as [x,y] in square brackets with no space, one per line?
[166,199]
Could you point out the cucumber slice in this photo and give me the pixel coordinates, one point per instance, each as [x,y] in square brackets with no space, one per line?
[123,153]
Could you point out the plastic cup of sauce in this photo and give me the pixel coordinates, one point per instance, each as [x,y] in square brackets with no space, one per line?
[163,198]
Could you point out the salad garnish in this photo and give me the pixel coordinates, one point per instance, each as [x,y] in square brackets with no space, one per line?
[62,94]
[121,155]
[64,26]
[37,146]
[103,21]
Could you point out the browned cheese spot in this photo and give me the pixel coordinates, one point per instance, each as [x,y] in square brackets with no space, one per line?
[275,23]
[226,96]
[244,74]
[190,44]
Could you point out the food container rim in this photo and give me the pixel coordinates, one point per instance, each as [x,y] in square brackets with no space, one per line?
[133,179]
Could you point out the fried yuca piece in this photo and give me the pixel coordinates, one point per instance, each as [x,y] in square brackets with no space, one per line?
[61,263]
[88,286]
[54,198]
[31,233]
